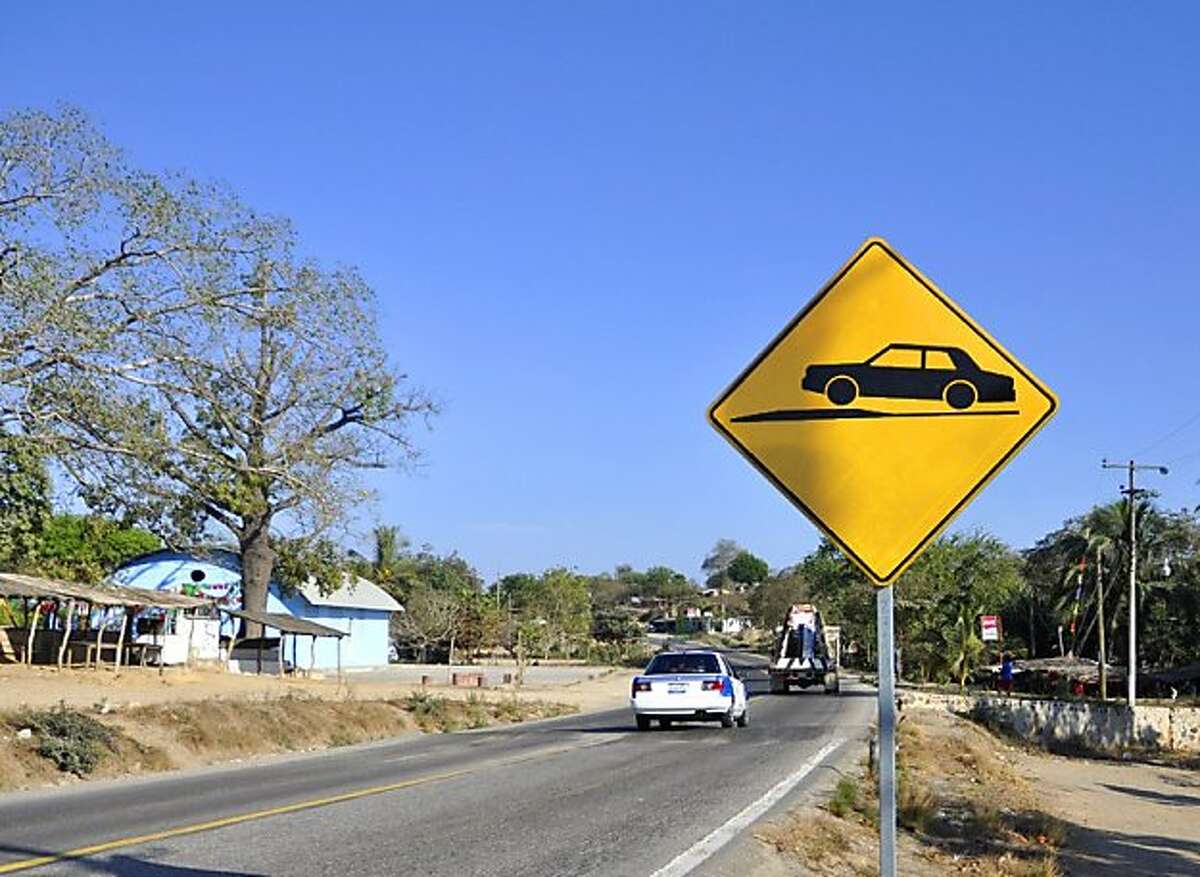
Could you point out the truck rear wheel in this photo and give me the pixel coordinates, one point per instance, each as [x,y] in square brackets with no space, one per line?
[778,686]
[643,723]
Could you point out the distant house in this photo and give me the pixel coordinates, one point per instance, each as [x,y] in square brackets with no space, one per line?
[359,607]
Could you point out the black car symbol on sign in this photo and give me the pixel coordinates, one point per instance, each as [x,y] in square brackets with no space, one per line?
[911,371]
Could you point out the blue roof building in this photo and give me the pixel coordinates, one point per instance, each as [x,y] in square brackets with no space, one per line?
[359,607]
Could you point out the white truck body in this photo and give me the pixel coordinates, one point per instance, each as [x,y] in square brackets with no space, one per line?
[803,655]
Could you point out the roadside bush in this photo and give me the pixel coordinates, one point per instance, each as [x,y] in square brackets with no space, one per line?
[476,712]
[845,798]
[634,654]
[75,742]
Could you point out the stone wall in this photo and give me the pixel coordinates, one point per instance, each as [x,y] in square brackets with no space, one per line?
[1104,726]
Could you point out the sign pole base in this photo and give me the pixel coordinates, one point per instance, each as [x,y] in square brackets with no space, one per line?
[887,733]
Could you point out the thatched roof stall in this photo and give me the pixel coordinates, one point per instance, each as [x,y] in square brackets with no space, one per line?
[74,594]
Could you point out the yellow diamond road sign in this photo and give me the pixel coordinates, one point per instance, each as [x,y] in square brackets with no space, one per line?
[881,410]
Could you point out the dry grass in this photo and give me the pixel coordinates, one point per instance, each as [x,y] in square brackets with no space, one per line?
[822,842]
[160,737]
[961,802]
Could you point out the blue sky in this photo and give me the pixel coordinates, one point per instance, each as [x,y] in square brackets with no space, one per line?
[582,222]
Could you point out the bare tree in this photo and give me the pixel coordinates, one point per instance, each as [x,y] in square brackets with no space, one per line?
[430,616]
[90,247]
[184,364]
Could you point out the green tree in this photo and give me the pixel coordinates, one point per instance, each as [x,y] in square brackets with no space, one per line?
[615,625]
[1168,584]
[770,600]
[844,597]
[965,649]
[957,577]
[389,545]
[666,584]
[482,623]
[718,560]
[24,501]
[608,591]
[747,569]
[87,548]
[555,608]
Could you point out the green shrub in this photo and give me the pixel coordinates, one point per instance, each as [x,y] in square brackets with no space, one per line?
[845,798]
[75,742]
[421,703]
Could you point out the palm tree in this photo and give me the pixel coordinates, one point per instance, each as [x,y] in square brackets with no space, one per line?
[1102,534]
[1103,544]
[389,546]
[965,647]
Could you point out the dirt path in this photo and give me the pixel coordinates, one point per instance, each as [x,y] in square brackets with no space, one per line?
[1125,819]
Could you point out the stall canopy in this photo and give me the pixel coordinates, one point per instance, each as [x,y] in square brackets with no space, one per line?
[72,593]
[285,623]
[13,585]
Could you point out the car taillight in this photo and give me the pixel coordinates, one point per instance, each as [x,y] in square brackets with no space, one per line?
[640,685]
[712,685]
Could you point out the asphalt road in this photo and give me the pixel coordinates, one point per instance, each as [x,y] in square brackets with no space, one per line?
[580,795]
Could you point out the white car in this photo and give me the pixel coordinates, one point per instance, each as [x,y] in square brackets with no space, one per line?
[691,686]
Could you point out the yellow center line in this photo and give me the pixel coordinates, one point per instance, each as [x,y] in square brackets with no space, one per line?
[226,821]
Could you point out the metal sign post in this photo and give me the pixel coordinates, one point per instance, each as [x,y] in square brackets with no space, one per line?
[880,411]
[887,734]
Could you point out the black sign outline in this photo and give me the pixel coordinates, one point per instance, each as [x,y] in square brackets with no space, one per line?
[967,497]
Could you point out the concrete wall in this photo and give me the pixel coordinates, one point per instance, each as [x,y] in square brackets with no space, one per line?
[1104,726]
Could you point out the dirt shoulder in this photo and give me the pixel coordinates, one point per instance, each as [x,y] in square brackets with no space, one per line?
[1123,818]
[56,727]
[964,807]
[974,802]
[586,688]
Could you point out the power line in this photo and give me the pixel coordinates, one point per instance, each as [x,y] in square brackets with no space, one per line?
[1170,435]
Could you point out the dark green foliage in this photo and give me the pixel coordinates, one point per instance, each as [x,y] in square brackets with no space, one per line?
[299,560]
[75,742]
[845,798]
[1168,585]
[614,625]
[771,599]
[748,569]
[24,500]
[86,548]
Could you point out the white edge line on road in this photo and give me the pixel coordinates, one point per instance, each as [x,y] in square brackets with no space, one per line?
[692,857]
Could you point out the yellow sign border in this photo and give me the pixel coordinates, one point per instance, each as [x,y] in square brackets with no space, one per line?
[931,287]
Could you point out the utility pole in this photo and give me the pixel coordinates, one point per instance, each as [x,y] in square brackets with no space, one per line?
[1100,621]
[1132,492]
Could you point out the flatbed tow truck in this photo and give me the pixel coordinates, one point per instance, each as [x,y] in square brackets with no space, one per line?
[805,652]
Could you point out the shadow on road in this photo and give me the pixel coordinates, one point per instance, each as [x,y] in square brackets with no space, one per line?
[1157,797]
[120,865]
[1114,854]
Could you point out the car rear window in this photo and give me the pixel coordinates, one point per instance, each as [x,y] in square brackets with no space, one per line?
[668,664]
